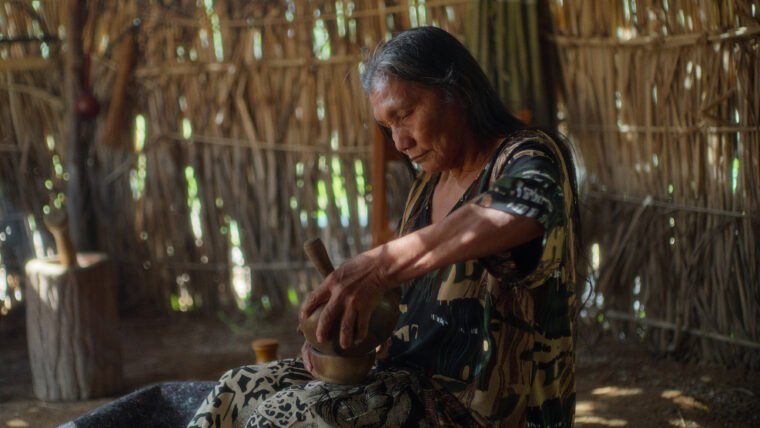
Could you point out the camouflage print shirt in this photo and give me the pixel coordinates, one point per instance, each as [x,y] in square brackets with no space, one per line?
[497,332]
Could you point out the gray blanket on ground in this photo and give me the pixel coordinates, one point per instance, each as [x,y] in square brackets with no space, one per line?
[168,404]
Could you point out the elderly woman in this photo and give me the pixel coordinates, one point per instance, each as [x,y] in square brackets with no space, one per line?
[485,258]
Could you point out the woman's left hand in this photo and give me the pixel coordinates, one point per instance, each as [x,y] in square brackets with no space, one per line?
[349,295]
[306,357]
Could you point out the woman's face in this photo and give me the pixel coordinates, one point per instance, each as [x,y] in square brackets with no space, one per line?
[430,130]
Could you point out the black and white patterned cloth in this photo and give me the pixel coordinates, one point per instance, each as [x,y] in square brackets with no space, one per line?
[283,394]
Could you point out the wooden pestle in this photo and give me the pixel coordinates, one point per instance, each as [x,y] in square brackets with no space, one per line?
[317,253]
[57,223]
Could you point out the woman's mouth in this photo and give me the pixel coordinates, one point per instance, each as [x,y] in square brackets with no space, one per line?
[417,158]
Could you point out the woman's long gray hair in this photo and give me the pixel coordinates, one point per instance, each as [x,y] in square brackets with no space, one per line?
[434,58]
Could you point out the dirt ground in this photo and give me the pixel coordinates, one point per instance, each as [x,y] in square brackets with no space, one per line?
[619,384]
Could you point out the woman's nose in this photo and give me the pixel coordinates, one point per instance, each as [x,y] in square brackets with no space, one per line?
[402,139]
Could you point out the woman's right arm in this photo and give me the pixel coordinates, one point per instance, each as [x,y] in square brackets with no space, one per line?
[352,291]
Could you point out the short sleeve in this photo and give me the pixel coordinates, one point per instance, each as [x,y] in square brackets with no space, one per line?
[529,185]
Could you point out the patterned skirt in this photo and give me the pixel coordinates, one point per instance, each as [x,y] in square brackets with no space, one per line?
[283,394]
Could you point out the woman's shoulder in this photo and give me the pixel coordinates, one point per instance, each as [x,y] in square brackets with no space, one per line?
[528,140]
[532,143]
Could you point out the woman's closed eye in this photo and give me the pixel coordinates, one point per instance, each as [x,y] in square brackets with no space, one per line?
[402,115]
[398,119]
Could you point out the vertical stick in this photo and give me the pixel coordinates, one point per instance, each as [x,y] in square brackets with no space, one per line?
[379,203]
[127,52]
[76,150]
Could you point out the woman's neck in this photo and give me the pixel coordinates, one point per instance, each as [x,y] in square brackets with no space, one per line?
[472,163]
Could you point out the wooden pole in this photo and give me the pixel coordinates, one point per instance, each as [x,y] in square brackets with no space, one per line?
[77,194]
[126,54]
[379,202]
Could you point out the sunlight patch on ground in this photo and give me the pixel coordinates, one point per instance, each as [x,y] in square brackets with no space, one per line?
[16,422]
[682,400]
[613,391]
[683,423]
[584,416]
[597,420]
[583,408]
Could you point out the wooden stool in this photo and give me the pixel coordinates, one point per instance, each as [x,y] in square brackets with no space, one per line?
[71,324]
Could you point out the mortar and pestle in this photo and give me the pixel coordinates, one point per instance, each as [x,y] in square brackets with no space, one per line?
[72,320]
[332,363]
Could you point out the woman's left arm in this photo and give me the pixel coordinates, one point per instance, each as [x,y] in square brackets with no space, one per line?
[352,291]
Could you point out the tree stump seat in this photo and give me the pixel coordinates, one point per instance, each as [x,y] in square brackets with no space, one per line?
[72,328]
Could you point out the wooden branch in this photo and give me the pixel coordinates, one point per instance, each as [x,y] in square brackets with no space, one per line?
[650,202]
[76,147]
[41,39]
[55,102]
[25,64]
[308,18]
[320,147]
[670,326]
[657,41]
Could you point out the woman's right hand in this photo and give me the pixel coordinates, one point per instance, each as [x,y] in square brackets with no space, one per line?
[348,297]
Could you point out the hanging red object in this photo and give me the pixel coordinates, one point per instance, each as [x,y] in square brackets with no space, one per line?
[87,105]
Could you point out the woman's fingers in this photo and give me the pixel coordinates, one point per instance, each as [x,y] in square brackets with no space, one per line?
[306,356]
[362,325]
[328,317]
[347,323]
[313,301]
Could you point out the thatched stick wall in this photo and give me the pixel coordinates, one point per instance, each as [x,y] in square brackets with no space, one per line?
[246,132]
[663,100]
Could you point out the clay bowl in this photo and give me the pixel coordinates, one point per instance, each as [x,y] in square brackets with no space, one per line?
[381,325]
[341,370]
